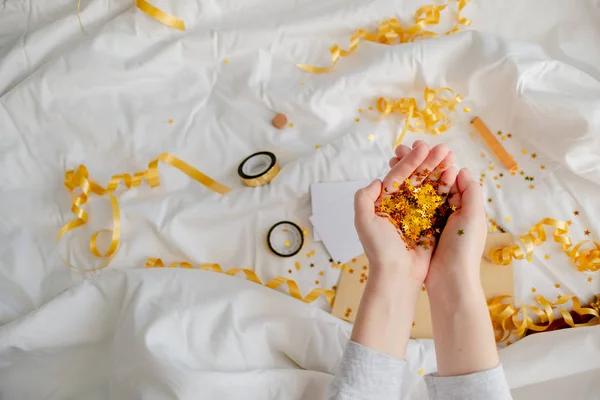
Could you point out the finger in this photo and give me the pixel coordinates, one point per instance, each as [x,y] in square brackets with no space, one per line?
[433,159]
[448,178]
[454,196]
[364,201]
[471,193]
[446,163]
[418,143]
[405,167]
[402,151]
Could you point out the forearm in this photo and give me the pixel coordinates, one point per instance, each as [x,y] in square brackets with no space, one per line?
[462,331]
[386,314]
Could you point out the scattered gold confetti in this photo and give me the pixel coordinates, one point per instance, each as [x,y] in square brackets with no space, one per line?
[587,232]
[354,260]
[467,109]
[395,184]
[534,155]
[569,222]
[529,259]
[507,219]
[291,124]
[225,61]
[287,244]
[557,285]
[496,178]
[334,288]
[502,137]
[513,173]
[365,267]
[297,265]
[370,108]
[532,187]
[522,172]
[547,256]
[575,212]
[350,271]
[533,290]
[489,200]
[589,279]
[360,110]
[312,265]
[321,273]
[423,288]
[290,271]
[498,186]
[304,231]
[413,323]
[482,155]
[460,232]
[317,282]
[524,151]
[421,372]
[499,133]
[301,83]
[542,167]
[509,135]
[371,137]
[170,121]
[357,119]
[491,168]
[317,146]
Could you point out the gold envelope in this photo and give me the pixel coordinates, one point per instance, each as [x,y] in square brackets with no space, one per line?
[496,280]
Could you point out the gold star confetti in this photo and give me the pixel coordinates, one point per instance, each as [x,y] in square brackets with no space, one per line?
[507,219]
[557,285]
[509,135]
[357,119]
[589,279]
[495,178]
[489,200]
[360,110]
[423,288]
[334,288]
[365,267]
[354,260]
[513,173]
[542,167]
[529,259]
[466,109]
[371,137]
[317,282]
[297,265]
[575,212]
[304,231]
[290,271]
[522,172]
[498,186]
[524,151]
[421,372]
[547,256]
[350,271]
[482,155]
[317,146]
[170,121]
[499,133]
[321,273]
[502,137]
[491,168]
[312,265]
[569,222]
[460,232]
[587,232]
[534,155]
[413,323]
[291,124]
[225,61]
[287,244]
[533,290]
[532,187]
[395,184]
[370,108]
[301,83]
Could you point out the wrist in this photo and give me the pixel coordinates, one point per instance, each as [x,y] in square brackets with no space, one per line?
[392,286]
[454,291]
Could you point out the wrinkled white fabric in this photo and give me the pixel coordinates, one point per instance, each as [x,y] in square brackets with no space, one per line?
[105,99]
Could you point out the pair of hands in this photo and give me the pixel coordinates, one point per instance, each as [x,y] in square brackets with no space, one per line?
[456,256]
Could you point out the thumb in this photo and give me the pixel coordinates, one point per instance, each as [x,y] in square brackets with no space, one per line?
[364,200]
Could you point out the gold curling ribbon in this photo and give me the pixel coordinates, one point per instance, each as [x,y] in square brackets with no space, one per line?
[584,259]
[150,10]
[391,32]
[251,276]
[160,15]
[508,320]
[79,178]
[433,118]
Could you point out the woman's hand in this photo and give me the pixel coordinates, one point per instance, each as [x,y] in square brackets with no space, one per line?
[389,258]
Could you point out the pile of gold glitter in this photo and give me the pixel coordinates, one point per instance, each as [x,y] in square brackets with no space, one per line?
[418,212]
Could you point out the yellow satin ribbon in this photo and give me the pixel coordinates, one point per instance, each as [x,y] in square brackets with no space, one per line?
[391,32]
[150,10]
[584,259]
[508,320]
[79,178]
[251,276]
[433,118]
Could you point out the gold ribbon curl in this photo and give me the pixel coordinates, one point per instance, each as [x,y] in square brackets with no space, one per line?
[584,259]
[391,32]
[79,178]
[508,320]
[150,10]
[251,276]
[433,118]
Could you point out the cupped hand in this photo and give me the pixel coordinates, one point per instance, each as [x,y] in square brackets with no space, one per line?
[386,250]
[457,257]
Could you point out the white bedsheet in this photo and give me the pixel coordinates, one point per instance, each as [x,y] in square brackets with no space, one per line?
[105,99]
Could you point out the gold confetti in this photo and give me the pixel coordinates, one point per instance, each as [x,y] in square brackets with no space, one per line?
[587,232]
[301,83]
[491,168]
[370,108]
[532,187]
[360,110]
[533,290]
[304,231]
[357,119]
[482,155]
[507,219]
[524,151]
[502,137]
[575,212]
[589,279]
[321,273]
[170,121]
[467,109]
[557,285]
[569,222]
[421,372]
[225,61]
[317,146]
[316,282]
[547,256]
[498,186]
[350,271]
[509,135]
[371,137]
[529,259]
[460,232]
[297,265]
[533,155]
[291,124]
[542,167]
[396,184]
[287,244]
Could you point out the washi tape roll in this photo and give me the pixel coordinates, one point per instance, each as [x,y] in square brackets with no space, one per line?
[258,169]
[285,239]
